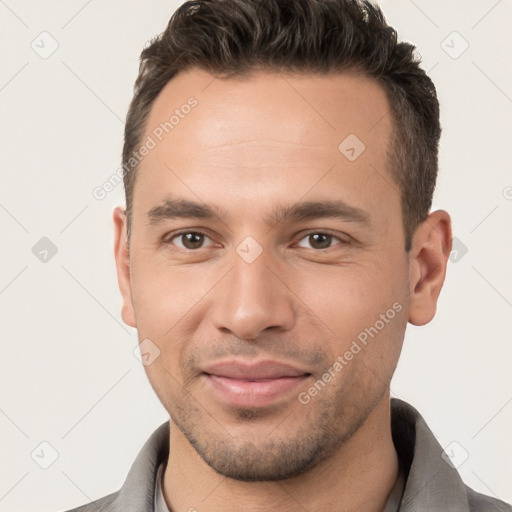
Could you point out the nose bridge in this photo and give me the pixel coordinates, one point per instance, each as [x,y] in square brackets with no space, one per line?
[251,298]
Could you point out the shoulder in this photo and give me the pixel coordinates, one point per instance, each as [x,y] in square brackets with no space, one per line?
[105,504]
[481,503]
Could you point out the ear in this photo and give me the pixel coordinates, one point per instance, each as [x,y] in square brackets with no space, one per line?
[122,256]
[431,247]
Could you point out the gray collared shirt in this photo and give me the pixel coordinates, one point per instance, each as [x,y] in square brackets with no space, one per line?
[431,483]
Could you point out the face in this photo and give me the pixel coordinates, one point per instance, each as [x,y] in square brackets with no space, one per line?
[267,265]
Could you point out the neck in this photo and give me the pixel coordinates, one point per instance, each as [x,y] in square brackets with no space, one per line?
[359,476]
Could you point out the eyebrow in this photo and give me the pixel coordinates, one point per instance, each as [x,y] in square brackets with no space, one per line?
[181,208]
[308,210]
[311,210]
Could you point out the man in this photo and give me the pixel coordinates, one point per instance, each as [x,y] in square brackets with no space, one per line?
[280,159]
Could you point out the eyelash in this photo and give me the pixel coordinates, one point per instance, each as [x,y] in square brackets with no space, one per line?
[168,240]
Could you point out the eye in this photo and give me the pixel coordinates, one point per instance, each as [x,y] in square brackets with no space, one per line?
[318,241]
[188,240]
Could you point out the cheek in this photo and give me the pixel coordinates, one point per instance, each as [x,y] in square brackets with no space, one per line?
[348,295]
[363,314]
[165,295]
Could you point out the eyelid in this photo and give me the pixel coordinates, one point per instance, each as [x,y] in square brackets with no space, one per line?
[321,232]
[169,237]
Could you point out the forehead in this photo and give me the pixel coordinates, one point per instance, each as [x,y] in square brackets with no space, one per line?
[295,108]
[265,131]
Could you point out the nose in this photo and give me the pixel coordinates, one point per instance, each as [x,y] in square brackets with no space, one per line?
[252,299]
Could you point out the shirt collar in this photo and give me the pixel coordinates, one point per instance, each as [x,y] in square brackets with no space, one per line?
[160,504]
[432,484]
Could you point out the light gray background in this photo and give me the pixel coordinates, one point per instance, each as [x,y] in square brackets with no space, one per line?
[68,373]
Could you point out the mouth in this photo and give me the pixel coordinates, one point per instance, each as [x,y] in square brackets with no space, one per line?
[240,384]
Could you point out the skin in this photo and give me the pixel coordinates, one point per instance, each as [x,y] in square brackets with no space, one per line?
[250,144]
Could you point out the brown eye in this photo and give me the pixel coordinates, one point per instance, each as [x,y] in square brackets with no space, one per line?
[320,241]
[189,240]
[317,241]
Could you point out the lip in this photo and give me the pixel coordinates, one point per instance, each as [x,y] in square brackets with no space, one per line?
[243,384]
[261,370]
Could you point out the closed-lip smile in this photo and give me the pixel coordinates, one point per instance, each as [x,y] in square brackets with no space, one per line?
[253,384]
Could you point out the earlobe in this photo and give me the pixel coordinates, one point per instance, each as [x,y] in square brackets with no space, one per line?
[122,257]
[431,247]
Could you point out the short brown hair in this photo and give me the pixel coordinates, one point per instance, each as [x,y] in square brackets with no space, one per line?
[235,37]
